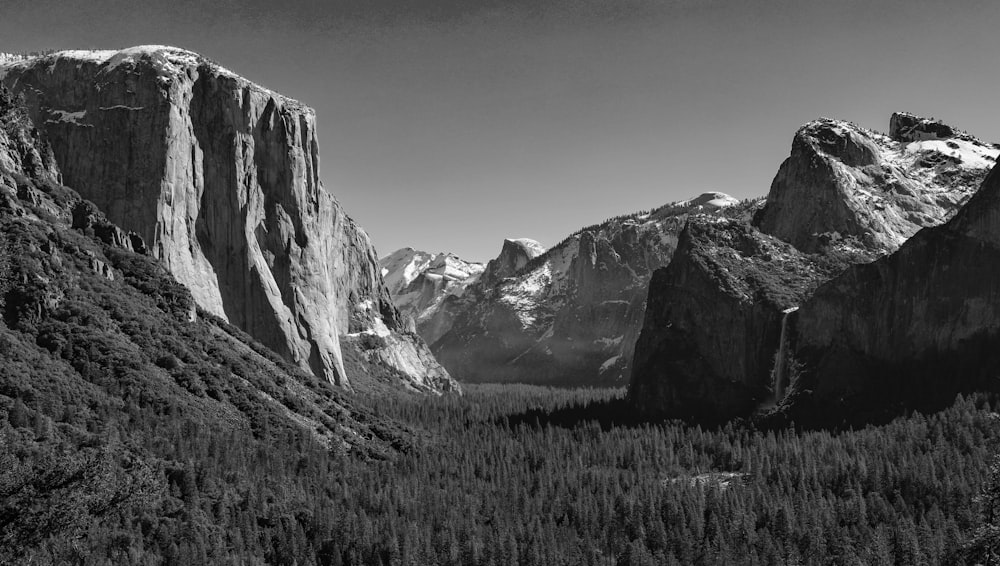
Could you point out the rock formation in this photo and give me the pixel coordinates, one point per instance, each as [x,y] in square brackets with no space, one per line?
[93,329]
[843,183]
[571,315]
[909,330]
[220,179]
[514,255]
[720,315]
[426,287]
[714,320]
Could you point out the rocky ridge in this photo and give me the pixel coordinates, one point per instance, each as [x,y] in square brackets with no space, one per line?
[220,179]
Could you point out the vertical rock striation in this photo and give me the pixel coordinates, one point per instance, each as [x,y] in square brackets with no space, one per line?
[220,177]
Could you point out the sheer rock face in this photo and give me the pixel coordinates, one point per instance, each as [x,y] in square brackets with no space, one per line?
[571,315]
[713,321]
[845,182]
[911,329]
[220,177]
[22,151]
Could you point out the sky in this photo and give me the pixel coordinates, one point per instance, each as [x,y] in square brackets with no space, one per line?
[449,125]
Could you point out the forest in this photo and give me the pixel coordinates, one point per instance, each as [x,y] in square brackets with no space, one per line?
[509,475]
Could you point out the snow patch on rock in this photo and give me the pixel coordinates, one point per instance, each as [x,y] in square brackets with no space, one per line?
[532,247]
[67,117]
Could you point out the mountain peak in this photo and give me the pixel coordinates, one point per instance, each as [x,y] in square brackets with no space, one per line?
[711,200]
[531,247]
[907,127]
[842,181]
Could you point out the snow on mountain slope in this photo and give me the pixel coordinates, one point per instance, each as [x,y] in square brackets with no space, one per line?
[421,284]
[531,247]
[401,267]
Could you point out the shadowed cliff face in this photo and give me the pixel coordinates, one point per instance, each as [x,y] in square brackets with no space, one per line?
[909,330]
[713,321]
[220,177]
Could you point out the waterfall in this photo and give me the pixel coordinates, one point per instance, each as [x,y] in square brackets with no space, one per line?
[778,377]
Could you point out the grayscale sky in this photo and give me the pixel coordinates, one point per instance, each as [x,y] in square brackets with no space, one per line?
[447,125]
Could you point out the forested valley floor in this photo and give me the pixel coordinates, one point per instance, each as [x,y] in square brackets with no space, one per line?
[518,475]
[527,475]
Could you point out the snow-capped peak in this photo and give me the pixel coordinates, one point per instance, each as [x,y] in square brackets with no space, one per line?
[420,282]
[401,267]
[531,247]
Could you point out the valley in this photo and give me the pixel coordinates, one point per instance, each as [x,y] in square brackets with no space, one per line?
[204,361]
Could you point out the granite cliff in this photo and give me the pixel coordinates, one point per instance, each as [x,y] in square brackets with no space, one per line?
[843,182]
[220,179]
[720,313]
[713,321]
[94,331]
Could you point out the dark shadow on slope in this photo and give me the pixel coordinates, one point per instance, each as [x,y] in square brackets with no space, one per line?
[608,413]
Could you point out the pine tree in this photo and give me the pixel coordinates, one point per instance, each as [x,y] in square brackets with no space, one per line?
[984,546]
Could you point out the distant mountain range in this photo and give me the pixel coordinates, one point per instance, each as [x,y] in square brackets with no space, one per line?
[569,315]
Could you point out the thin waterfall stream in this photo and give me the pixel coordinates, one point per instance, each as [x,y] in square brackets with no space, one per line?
[778,377]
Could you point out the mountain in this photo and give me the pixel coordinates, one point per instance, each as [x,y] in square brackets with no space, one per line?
[568,315]
[424,286]
[515,254]
[713,320]
[220,178]
[844,182]
[715,340]
[117,391]
[909,330]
